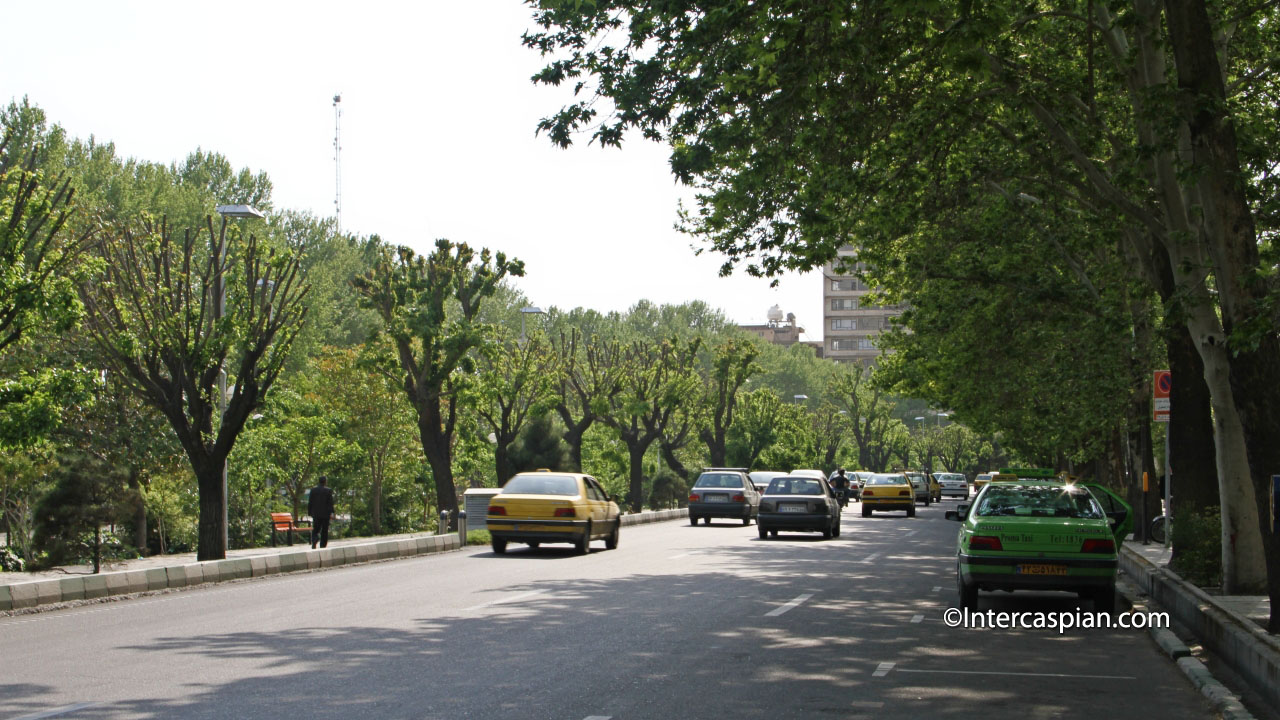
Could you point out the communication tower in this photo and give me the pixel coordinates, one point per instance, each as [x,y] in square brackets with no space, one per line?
[337,159]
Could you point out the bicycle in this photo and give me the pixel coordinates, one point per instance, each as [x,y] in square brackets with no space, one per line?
[1159,527]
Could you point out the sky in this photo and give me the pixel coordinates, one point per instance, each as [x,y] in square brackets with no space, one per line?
[438,134]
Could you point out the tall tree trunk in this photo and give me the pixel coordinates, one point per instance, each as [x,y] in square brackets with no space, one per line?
[212,530]
[573,433]
[435,445]
[636,448]
[376,470]
[1194,485]
[139,511]
[673,462]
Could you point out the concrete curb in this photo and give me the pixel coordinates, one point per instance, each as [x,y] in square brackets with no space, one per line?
[654,516]
[1246,648]
[20,596]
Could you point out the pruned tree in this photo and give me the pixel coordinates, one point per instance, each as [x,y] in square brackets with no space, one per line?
[160,320]
[429,306]
[516,383]
[733,363]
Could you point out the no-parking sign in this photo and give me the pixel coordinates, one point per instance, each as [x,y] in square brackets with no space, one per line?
[1160,390]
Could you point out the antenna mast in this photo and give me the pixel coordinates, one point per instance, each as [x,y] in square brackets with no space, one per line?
[337,159]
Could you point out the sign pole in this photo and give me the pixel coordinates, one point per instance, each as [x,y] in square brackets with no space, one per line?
[1161,396]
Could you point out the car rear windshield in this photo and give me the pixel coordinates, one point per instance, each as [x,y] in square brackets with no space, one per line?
[719,480]
[1039,501]
[886,480]
[949,476]
[541,485]
[794,486]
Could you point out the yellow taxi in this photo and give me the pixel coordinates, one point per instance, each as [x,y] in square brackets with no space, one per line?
[553,507]
[981,480]
[888,491]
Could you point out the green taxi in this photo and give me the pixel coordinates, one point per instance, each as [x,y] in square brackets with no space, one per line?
[1036,532]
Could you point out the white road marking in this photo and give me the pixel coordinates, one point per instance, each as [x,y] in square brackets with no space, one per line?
[870,557]
[510,599]
[677,557]
[598,717]
[1020,674]
[57,711]
[913,532]
[868,704]
[789,606]
[937,588]
[882,669]
[917,618]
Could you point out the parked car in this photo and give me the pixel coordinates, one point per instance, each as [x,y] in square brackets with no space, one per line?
[798,502]
[723,493]
[552,507]
[1041,534]
[888,491]
[761,478]
[953,484]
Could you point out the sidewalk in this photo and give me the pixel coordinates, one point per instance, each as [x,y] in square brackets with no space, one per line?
[180,559]
[1256,608]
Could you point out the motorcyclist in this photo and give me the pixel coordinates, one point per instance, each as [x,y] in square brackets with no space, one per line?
[840,483]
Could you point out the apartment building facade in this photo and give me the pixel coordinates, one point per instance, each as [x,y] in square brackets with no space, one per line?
[849,324]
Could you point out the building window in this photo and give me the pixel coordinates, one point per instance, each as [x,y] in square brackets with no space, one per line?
[844,303]
[866,344]
[846,284]
[844,323]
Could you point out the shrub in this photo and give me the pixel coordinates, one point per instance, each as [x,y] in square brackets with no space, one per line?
[1197,546]
[478,537]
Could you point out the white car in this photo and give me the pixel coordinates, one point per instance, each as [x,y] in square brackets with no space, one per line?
[810,473]
[953,484]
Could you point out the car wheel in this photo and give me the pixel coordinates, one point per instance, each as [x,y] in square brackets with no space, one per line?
[968,594]
[773,534]
[926,502]
[763,533]
[911,511]
[693,519]
[583,544]
[866,511]
[499,545]
[828,532]
[1104,599]
[706,521]
[534,545]
[836,531]
[746,520]
[611,542]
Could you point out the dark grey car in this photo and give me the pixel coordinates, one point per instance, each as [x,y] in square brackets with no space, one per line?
[723,493]
[798,503]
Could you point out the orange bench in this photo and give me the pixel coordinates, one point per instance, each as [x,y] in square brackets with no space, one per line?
[284,523]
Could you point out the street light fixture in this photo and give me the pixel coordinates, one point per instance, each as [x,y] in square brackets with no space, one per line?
[219,309]
[800,398]
[525,312]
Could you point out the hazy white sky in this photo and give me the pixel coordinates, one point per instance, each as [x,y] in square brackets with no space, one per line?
[438,119]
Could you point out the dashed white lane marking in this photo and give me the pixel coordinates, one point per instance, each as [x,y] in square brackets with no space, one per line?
[937,588]
[868,704]
[913,532]
[789,606]
[57,711]
[677,557]
[870,557]
[917,618]
[509,599]
[882,669]
[598,717]
[1018,674]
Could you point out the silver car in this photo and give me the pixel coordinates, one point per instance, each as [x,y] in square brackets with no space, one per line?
[761,478]
[723,493]
[920,484]
[795,502]
[953,484]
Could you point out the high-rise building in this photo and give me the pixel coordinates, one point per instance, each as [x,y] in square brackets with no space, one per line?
[850,325]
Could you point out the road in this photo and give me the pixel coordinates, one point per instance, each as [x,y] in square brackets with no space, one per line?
[679,622]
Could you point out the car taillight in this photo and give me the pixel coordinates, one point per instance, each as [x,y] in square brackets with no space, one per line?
[566,512]
[693,497]
[1096,545]
[739,498]
[904,492]
[985,542]
[497,510]
[868,493]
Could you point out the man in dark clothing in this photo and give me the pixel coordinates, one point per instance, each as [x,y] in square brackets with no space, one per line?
[320,508]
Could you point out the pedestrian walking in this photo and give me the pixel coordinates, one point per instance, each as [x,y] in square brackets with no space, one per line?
[320,507]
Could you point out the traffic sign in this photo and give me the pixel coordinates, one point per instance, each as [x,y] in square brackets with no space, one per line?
[1161,387]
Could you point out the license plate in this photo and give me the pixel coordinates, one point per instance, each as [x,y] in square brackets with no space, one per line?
[792,507]
[715,498]
[1040,569]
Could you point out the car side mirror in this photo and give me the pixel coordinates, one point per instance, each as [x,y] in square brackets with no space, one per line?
[952,515]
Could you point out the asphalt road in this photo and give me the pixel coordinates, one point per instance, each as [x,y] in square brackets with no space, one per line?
[679,622]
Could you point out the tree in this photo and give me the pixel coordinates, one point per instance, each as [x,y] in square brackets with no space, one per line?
[588,381]
[657,378]
[86,495]
[733,363]
[429,306]
[154,321]
[40,264]
[755,429]
[515,383]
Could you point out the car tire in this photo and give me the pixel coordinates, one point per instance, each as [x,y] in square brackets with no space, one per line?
[835,532]
[499,545]
[911,511]
[693,519]
[706,521]
[746,520]
[1104,600]
[583,544]
[773,534]
[534,545]
[866,511]
[611,542]
[968,594]
[763,533]
[828,532]
[926,502]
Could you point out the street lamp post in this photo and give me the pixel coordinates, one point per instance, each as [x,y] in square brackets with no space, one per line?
[800,398]
[524,312]
[219,309]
